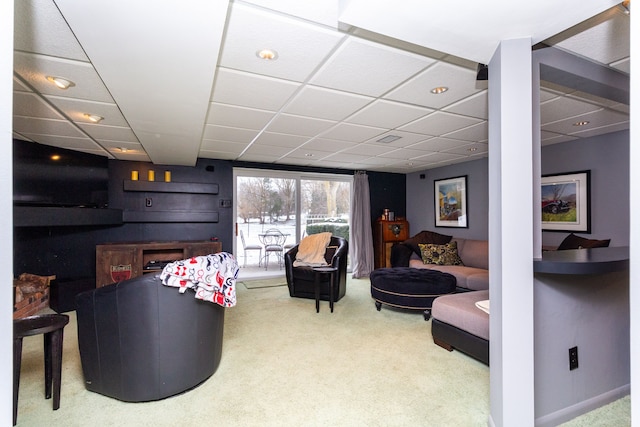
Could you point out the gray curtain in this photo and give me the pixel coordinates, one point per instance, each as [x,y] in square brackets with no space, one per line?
[361,244]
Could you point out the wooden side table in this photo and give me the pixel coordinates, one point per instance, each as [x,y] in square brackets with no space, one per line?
[319,271]
[52,326]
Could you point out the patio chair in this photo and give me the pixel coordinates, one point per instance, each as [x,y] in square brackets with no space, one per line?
[252,247]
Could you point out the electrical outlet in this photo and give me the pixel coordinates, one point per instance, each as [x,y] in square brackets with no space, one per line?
[573,358]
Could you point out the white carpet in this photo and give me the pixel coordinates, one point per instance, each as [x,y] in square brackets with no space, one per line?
[283,364]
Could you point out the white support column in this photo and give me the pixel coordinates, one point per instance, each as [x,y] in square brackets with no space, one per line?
[634,234]
[511,235]
[6,210]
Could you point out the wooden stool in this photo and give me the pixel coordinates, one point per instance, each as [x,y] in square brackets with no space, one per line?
[52,326]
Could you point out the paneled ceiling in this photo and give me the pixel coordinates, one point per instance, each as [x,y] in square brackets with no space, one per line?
[180,80]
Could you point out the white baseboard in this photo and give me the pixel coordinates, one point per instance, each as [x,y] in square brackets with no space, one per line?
[580,408]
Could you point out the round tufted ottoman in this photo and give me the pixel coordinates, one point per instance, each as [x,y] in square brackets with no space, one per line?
[411,288]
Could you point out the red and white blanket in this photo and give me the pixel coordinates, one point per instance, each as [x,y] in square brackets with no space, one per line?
[213,277]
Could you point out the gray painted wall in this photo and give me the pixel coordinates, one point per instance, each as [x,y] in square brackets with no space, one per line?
[606,156]
[421,204]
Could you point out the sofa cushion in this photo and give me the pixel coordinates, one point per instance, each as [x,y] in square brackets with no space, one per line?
[460,310]
[426,237]
[576,242]
[474,253]
[446,254]
[465,276]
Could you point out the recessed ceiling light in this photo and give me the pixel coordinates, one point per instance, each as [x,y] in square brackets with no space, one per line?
[267,54]
[62,83]
[55,157]
[438,90]
[93,117]
[123,150]
[582,123]
[389,138]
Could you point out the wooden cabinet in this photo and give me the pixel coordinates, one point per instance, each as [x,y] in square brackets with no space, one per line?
[121,261]
[386,233]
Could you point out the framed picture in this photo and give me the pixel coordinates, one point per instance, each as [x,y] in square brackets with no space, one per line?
[565,202]
[451,202]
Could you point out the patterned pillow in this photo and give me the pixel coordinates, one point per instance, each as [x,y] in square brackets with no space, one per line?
[440,254]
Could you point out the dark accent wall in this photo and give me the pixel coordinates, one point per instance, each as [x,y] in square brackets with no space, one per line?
[69,251]
[606,156]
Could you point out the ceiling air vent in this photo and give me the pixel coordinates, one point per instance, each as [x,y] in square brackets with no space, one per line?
[389,138]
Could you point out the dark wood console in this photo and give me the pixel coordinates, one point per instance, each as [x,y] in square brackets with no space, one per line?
[120,261]
[385,234]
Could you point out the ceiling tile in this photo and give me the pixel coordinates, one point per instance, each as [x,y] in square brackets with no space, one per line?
[406,139]
[370,149]
[389,114]
[439,123]
[250,30]
[596,119]
[328,145]
[28,104]
[476,105]
[604,129]
[27,125]
[238,117]
[76,108]
[474,149]
[404,154]
[68,142]
[40,28]
[251,90]
[299,125]
[34,69]
[438,144]
[112,133]
[19,86]
[224,133]
[384,67]
[218,155]
[440,157]
[327,104]
[563,107]
[461,83]
[592,38]
[223,146]
[477,132]
[280,140]
[353,133]
[266,150]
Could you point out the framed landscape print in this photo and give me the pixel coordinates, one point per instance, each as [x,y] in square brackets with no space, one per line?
[451,202]
[565,202]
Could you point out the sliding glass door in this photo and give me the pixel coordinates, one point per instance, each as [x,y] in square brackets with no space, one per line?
[293,203]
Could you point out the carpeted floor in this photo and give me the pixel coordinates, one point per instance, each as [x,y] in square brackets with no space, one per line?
[283,364]
[264,283]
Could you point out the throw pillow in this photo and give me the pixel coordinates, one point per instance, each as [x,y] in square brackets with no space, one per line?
[446,254]
[427,237]
[312,249]
[576,242]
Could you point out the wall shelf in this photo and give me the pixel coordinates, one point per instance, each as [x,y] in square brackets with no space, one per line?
[171,187]
[49,216]
[169,216]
